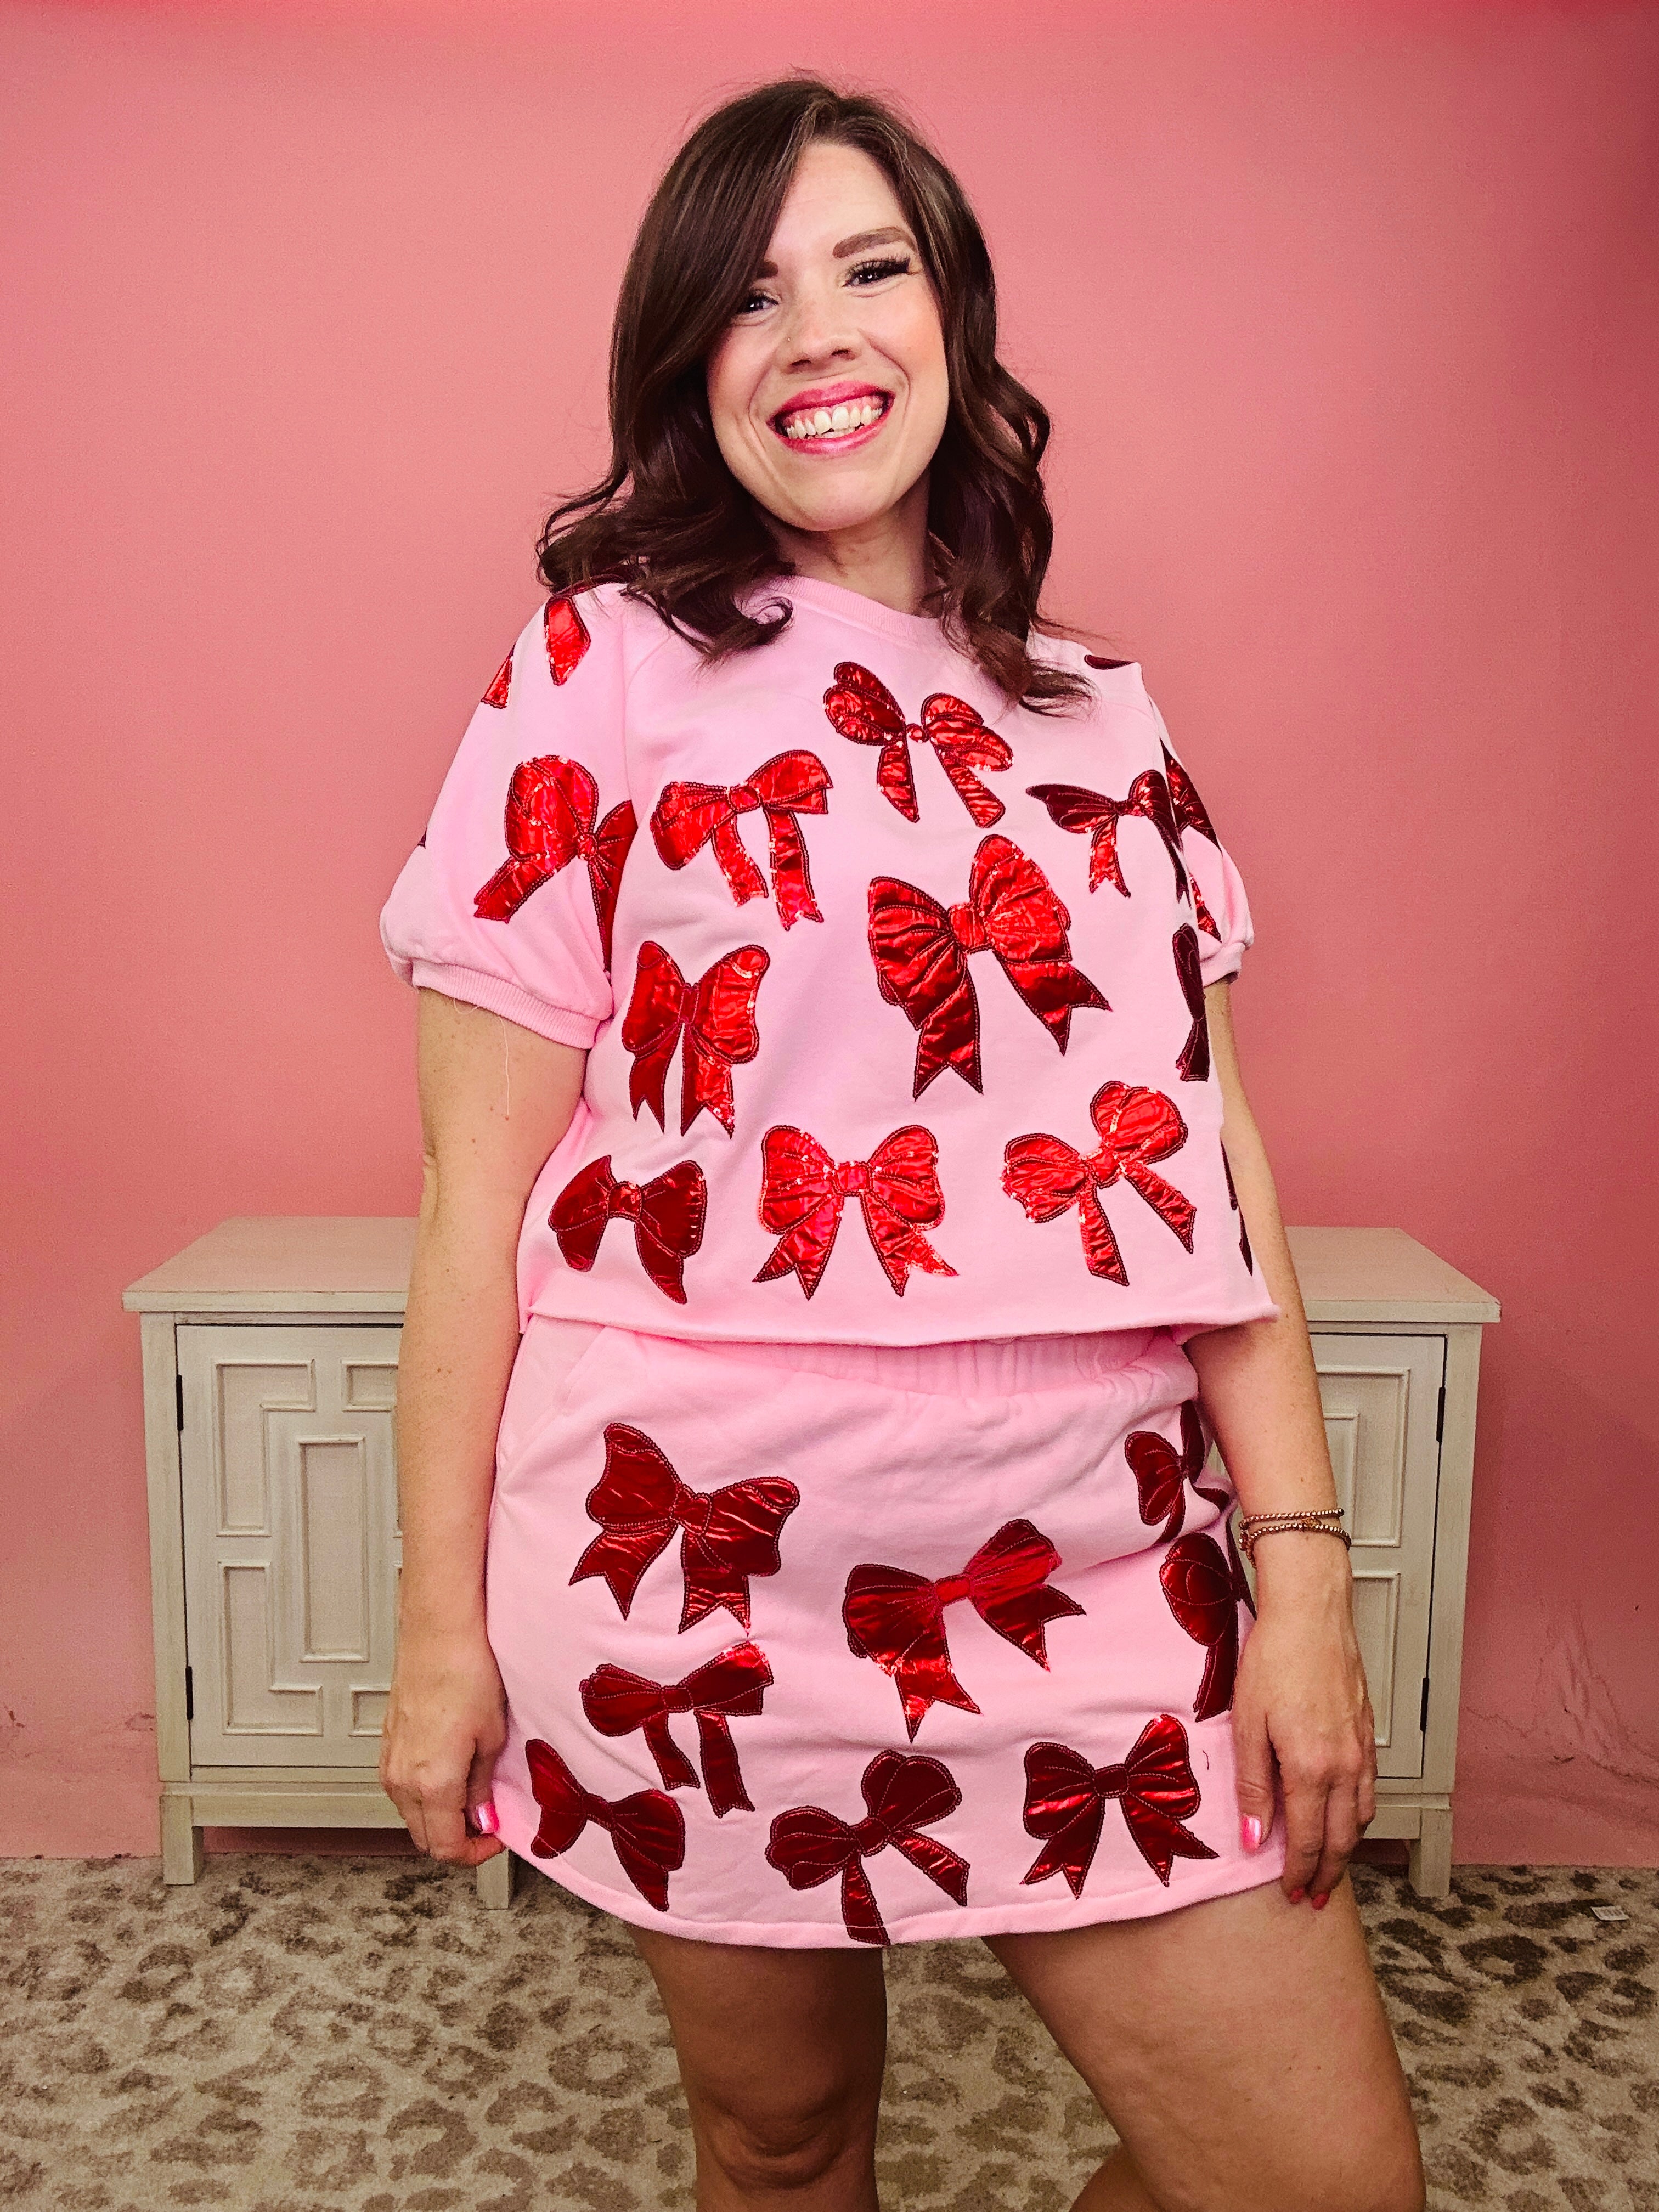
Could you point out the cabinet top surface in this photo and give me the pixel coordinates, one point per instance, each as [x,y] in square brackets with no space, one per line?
[359,1263]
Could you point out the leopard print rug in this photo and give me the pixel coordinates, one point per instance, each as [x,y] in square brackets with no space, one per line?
[358,2035]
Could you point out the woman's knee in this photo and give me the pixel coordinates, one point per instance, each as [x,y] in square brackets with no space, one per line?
[790,2145]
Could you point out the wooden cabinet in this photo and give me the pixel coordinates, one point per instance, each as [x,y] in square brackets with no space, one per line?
[270,1367]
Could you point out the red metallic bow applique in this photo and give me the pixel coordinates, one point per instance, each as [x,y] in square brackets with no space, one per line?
[1205,1587]
[726,1536]
[1193,1063]
[897,1619]
[1162,1473]
[616,1702]
[715,1017]
[803,1191]
[646,1830]
[1137,1127]
[689,816]
[920,950]
[903,1792]
[862,708]
[1091,814]
[1189,814]
[1233,1200]
[667,1213]
[1065,1801]
[551,807]
[500,684]
[567,638]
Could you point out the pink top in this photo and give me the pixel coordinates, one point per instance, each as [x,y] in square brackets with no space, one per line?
[891,993]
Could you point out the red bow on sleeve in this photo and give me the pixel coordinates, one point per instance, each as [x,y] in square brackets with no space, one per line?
[551,807]
[726,1536]
[689,816]
[616,1702]
[1233,1200]
[920,950]
[667,1213]
[646,1830]
[1193,1065]
[897,1619]
[1205,1587]
[1136,1126]
[1091,814]
[715,1016]
[1189,814]
[1065,1801]
[903,1793]
[862,708]
[1161,1474]
[803,1191]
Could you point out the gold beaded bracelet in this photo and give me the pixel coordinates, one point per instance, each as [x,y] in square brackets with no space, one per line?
[1326,1522]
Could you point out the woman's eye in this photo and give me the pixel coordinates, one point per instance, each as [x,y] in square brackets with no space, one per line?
[753,303]
[871,272]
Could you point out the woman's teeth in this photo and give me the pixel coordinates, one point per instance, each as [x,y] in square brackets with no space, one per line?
[832,421]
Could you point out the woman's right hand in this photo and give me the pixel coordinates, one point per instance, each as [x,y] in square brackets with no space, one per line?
[446,1724]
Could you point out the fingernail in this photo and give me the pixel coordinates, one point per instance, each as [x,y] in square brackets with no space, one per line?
[484,1820]
[1249,1832]
[1320,1902]
[1297,1896]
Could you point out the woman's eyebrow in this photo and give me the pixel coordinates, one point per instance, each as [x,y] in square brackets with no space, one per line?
[896,234]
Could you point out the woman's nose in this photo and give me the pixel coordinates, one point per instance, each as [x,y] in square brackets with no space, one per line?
[819,330]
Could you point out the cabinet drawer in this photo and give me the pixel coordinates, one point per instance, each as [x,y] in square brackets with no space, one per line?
[291,1540]
[1382,1400]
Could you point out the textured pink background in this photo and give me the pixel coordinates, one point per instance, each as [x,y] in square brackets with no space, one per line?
[1346,316]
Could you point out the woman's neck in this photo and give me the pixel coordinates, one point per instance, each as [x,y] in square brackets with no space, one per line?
[884,560]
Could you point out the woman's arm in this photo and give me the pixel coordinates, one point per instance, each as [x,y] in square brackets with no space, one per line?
[495,1101]
[1301,1697]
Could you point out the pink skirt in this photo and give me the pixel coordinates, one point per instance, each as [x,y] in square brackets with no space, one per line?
[816,1645]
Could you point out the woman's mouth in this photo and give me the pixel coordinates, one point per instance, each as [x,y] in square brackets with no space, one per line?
[833,426]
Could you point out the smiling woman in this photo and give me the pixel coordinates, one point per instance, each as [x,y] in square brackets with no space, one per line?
[806,252]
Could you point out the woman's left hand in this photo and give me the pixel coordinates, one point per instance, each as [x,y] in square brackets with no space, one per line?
[1301,1703]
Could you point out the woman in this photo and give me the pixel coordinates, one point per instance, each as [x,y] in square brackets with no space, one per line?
[840,1523]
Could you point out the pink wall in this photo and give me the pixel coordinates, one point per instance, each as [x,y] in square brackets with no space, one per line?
[1346,316]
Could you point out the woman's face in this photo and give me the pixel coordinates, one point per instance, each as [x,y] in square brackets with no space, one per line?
[830,390]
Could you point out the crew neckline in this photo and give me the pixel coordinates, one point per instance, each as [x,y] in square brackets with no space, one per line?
[853,607]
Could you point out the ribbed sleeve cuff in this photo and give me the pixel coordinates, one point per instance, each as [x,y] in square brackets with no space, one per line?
[558,1024]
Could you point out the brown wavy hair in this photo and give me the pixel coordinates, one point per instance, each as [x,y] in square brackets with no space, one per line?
[669,521]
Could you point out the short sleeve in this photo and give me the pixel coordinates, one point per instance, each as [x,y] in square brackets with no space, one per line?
[508,899]
[1225,931]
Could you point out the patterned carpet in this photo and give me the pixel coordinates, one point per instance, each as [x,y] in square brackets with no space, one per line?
[356,2035]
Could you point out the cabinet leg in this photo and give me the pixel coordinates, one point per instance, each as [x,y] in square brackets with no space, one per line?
[1430,1854]
[496,1882]
[182,1855]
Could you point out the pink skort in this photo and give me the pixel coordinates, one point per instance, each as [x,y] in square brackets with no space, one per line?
[814,1645]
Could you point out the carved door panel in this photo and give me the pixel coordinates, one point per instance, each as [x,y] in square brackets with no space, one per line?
[291,1541]
[1382,1399]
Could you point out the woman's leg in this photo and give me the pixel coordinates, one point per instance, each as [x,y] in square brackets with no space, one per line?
[1240,2050]
[781,2054]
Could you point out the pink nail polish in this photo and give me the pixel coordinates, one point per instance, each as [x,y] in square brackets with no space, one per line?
[1249,1832]
[484,1820]
[1297,1896]
[1320,1902]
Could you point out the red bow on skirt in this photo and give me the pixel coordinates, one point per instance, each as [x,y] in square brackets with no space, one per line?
[903,1792]
[1205,1587]
[667,1213]
[1161,1474]
[616,1702]
[803,1191]
[689,816]
[920,950]
[567,640]
[1065,1801]
[1136,1126]
[862,708]
[897,1619]
[715,1016]
[551,807]
[1193,1065]
[726,1536]
[647,1830]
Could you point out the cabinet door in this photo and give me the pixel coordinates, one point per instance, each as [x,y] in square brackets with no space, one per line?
[291,1540]
[1382,1400]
